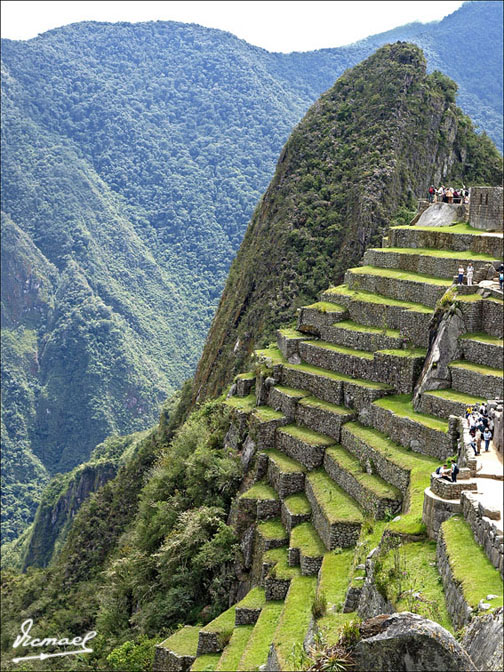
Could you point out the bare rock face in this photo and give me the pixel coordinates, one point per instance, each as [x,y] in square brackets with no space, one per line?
[442,214]
[483,641]
[411,643]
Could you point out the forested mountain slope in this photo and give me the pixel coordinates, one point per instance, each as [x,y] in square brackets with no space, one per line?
[133,156]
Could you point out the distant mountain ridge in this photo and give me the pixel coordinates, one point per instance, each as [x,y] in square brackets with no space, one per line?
[133,156]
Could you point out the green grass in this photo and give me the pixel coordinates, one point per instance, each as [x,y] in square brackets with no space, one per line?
[461,227]
[292,333]
[245,376]
[285,463]
[370,297]
[401,275]
[453,395]
[291,392]
[418,574]
[431,252]
[483,337]
[184,642]
[355,326]
[295,619]
[281,569]
[272,529]
[266,414]
[326,373]
[258,645]
[336,504]
[470,565]
[477,368]
[307,435]
[469,298]
[334,576]
[242,403]
[351,464]
[410,352]
[298,504]
[260,490]
[305,537]
[206,663]
[234,650]
[326,307]
[402,406]
[331,625]
[271,355]
[254,599]
[344,350]
[315,402]
[420,468]
[223,624]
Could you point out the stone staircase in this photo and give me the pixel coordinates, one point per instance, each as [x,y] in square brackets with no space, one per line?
[338,444]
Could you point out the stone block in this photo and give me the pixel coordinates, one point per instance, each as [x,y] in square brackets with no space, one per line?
[290,520]
[334,534]
[486,208]
[169,661]
[276,589]
[310,456]
[285,483]
[321,419]
[436,511]
[319,385]
[448,490]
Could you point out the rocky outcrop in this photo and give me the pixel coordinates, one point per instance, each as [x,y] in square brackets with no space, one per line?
[409,642]
[442,214]
[483,642]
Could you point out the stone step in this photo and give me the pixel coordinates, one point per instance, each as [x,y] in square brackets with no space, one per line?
[483,349]
[303,444]
[376,310]
[306,549]
[433,262]
[409,472]
[206,663]
[313,317]
[260,502]
[285,399]
[256,651]
[248,610]
[374,494]
[178,652]
[234,650]
[454,238]
[333,387]
[443,403]
[296,509]
[322,416]
[285,474]
[245,384]
[400,368]
[471,378]
[263,422]
[272,534]
[294,623]
[418,431]
[334,577]
[287,341]
[277,573]
[335,515]
[214,636]
[416,287]
[361,337]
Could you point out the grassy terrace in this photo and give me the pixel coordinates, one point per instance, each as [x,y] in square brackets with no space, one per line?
[410,352]
[461,227]
[418,574]
[285,463]
[254,599]
[477,368]
[370,297]
[431,252]
[206,663]
[266,414]
[326,307]
[351,464]
[453,395]
[305,537]
[242,403]
[223,624]
[420,468]
[401,405]
[342,349]
[401,275]
[272,355]
[306,435]
[257,648]
[291,333]
[326,373]
[362,328]
[334,576]
[482,337]
[295,619]
[297,504]
[260,490]
[281,569]
[184,642]
[245,376]
[234,650]
[336,504]
[291,392]
[314,402]
[272,529]
[470,565]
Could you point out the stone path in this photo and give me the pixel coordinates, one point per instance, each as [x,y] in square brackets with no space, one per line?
[490,488]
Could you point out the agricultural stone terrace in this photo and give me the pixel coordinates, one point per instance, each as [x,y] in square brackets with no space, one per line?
[342,453]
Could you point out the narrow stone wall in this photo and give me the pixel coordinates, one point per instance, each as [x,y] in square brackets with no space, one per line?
[486,208]
[285,483]
[169,661]
[460,612]
[335,534]
[448,490]
[478,384]
[436,511]
[483,353]
[310,457]
[322,420]
[484,529]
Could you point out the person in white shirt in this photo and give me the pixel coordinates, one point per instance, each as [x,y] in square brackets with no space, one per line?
[470,273]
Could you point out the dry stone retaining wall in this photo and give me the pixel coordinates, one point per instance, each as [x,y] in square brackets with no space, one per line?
[478,384]
[460,612]
[438,267]
[360,340]
[246,616]
[486,208]
[483,353]
[484,529]
[285,483]
[322,420]
[169,661]
[448,490]
[436,511]
[438,240]
[402,289]
[442,408]
[309,456]
[326,389]
[334,534]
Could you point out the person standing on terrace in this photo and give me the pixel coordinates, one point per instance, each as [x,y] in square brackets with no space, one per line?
[460,275]
[470,273]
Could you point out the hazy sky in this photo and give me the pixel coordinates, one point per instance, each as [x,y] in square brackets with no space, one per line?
[286,26]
